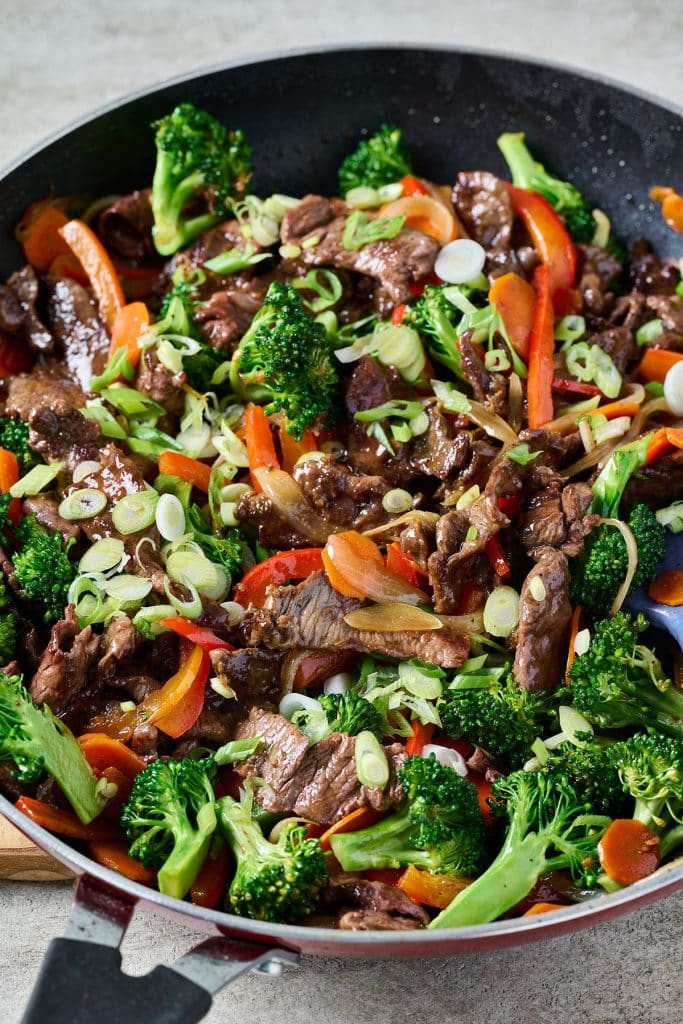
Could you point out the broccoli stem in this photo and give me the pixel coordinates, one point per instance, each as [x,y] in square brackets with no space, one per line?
[510,878]
[522,165]
[671,839]
[180,869]
[368,848]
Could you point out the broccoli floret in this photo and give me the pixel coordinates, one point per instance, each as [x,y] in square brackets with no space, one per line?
[278,881]
[42,567]
[435,318]
[198,159]
[5,502]
[38,742]
[650,767]
[350,713]
[599,573]
[377,161]
[284,360]
[14,438]
[549,828]
[619,683]
[227,550]
[201,366]
[439,828]
[592,771]
[8,636]
[502,717]
[169,819]
[565,198]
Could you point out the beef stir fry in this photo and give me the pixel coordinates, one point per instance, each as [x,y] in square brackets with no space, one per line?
[320,519]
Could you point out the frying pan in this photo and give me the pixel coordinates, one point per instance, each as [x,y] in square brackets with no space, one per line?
[302,112]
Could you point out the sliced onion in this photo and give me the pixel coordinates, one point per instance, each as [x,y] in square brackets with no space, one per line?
[293,702]
[104,554]
[586,434]
[340,682]
[566,423]
[191,568]
[446,756]
[392,618]
[460,261]
[82,504]
[288,499]
[494,425]
[515,402]
[464,624]
[673,388]
[425,209]
[367,577]
[135,512]
[235,612]
[632,552]
[590,459]
[397,500]
[582,641]
[415,515]
[170,517]
[649,409]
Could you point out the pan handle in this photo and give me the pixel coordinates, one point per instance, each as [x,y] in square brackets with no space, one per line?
[81,982]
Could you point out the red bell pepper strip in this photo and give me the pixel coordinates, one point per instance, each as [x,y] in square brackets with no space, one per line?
[276,570]
[9,475]
[398,314]
[207,640]
[402,564]
[575,387]
[471,598]
[416,288]
[496,557]
[549,235]
[209,885]
[422,735]
[65,823]
[509,504]
[412,186]
[292,450]
[316,666]
[541,351]
[259,441]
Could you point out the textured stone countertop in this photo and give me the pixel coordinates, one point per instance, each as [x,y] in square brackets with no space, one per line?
[57,61]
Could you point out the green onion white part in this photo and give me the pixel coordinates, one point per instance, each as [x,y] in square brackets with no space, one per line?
[170,517]
[35,480]
[460,261]
[673,388]
[501,611]
[82,504]
[372,766]
[135,512]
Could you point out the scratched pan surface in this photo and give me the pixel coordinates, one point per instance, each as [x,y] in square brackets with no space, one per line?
[302,112]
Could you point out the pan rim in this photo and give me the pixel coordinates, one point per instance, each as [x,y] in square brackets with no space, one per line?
[508,932]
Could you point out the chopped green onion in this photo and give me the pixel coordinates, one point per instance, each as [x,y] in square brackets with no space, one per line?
[501,611]
[290,251]
[456,296]
[471,535]
[233,260]
[192,568]
[84,469]
[521,454]
[570,328]
[578,359]
[170,517]
[450,399]
[237,750]
[574,726]
[540,750]
[135,512]
[400,431]
[108,424]
[605,373]
[396,501]
[127,705]
[118,366]
[468,498]
[421,680]
[649,332]
[671,516]
[419,424]
[82,504]
[126,588]
[104,555]
[86,597]
[325,284]
[359,230]
[190,609]
[131,402]
[655,388]
[400,346]
[496,360]
[148,620]
[35,480]
[372,766]
[401,407]
[310,242]
[537,588]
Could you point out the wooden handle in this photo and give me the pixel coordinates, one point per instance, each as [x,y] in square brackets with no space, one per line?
[22,861]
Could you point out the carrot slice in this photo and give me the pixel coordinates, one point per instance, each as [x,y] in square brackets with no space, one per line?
[422,735]
[613,410]
[65,823]
[39,235]
[433,890]
[515,298]
[656,363]
[292,450]
[362,817]
[668,588]
[259,441]
[97,264]
[9,470]
[542,908]
[101,752]
[130,324]
[114,855]
[194,472]
[628,851]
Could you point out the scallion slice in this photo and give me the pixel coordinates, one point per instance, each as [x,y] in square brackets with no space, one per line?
[127,588]
[35,480]
[135,512]
[372,766]
[104,555]
[82,504]
[170,517]
[501,611]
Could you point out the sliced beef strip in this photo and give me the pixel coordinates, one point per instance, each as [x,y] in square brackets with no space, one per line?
[618,343]
[25,286]
[44,508]
[12,315]
[557,517]
[521,261]
[483,204]
[311,614]
[375,921]
[440,452]
[125,227]
[543,624]
[46,384]
[649,274]
[257,517]
[160,384]
[598,273]
[417,540]
[669,309]
[375,900]
[65,663]
[61,433]
[318,782]
[227,314]
[659,484]
[629,311]
[394,263]
[206,246]
[252,674]
[118,645]
[489,388]
[77,328]
[456,560]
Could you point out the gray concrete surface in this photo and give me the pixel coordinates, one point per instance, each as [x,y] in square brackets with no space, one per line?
[57,61]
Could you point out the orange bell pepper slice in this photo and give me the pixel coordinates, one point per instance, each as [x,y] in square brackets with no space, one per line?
[292,450]
[541,352]
[431,889]
[97,264]
[178,704]
[191,470]
[38,233]
[515,298]
[543,908]
[102,752]
[656,363]
[114,855]
[259,442]
[668,588]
